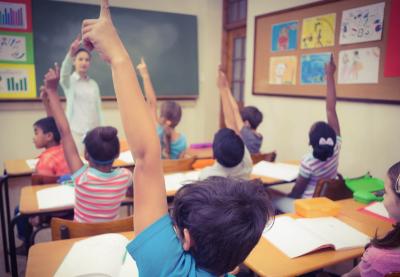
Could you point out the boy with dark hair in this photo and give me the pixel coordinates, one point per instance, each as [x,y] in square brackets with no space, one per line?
[216,222]
[251,117]
[46,135]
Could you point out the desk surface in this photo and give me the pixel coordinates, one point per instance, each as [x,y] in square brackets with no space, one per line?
[51,254]
[265,259]
[28,203]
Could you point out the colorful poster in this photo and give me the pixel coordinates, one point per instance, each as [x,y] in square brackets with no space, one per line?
[282,70]
[318,31]
[313,68]
[362,24]
[16,48]
[15,15]
[284,36]
[359,66]
[17,81]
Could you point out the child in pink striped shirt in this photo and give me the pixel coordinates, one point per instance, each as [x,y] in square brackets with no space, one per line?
[99,189]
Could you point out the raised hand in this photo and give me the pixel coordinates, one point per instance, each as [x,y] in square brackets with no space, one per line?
[222,81]
[330,67]
[52,78]
[101,35]
[142,67]
[75,45]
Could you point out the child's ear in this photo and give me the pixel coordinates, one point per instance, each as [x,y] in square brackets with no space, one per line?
[86,154]
[186,240]
[168,123]
[49,136]
[246,123]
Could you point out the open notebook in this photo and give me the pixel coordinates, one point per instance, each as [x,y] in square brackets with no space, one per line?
[281,171]
[56,197]
[378,210]
[176,180]
[103,255]
[296,237]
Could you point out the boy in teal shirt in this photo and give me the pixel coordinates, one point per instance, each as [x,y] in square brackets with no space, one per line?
[215,223]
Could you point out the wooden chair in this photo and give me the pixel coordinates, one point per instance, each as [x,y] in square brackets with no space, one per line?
[68,229]
[39,179]
[269,157]
[184,164]
[334,189]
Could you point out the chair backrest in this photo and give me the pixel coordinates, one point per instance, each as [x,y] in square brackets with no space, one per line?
[68,229]
[334,189]
[39,179]
[178,165]
[269,157]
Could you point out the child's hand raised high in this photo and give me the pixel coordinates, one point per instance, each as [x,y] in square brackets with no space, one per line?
[142,67]
[222,81]
[101,35]
[52,78]
[330,67]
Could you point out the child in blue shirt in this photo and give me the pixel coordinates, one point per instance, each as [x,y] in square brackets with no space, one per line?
[215,223]
[173,144]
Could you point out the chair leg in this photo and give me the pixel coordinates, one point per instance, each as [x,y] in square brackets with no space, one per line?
[4,229]
[33,235]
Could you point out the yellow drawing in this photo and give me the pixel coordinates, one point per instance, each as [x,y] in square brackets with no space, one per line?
[17,81]
[318,31]
[282,70]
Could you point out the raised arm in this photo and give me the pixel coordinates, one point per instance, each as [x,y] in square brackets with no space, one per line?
[228,107]
[149,91]
[149,189]
[66,66]
[45,101]
[51,80]
[331,114]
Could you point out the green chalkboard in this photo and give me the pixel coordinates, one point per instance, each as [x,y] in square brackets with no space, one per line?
[167,41]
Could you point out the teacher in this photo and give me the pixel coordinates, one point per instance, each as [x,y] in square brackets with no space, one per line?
[82,93]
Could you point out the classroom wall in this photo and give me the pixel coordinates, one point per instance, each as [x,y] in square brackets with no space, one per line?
[199,120]
[370,131]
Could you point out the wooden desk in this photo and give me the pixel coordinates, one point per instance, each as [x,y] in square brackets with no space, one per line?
[267,260]
[51,254]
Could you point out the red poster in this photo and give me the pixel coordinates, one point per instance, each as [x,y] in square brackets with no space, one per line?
[392,62]
[16,15]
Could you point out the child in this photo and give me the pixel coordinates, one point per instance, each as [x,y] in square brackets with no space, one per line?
[325,140]
[82,93]
[232,157]
[99,189]
[216,222]
[246,121]
[173,144]
[382,255]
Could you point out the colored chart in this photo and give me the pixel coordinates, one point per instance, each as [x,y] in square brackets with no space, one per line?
[17,81]
[13,15]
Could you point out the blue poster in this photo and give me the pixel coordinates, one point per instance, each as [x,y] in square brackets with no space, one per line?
[284,36]
[313,68]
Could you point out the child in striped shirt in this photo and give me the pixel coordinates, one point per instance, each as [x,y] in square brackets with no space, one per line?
[326,142]
[99,189]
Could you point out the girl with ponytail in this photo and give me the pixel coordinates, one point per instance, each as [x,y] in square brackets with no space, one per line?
[173,144]
[325,140]
[99,188]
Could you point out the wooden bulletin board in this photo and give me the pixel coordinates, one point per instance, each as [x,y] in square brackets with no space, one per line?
[385,90]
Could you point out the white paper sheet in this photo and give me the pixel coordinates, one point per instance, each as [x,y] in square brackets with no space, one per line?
[32,163]
[281,171]
[59,196]
[126,157]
